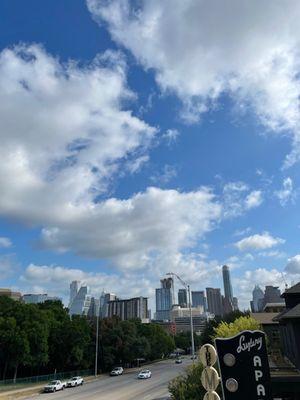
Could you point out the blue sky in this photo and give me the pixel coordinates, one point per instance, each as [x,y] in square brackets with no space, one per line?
[139,138]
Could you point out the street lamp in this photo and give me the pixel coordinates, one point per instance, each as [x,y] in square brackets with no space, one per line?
[97,341]
[187,287]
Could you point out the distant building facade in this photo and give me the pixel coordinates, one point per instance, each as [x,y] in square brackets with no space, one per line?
[38,298]
[227,300]
[257,299]
[164,297]
[235,303]
[199,299]
[10,293]
[126,309]
[105,298]
[81,303]
[182,298]
[214,301]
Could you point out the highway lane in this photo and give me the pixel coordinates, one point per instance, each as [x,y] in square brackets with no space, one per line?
[124,387]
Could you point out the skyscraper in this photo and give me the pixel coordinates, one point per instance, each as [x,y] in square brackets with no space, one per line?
[182,297]
[257,299]
[81,303]
[126,309]
[227,283]
[214,301]
[164,297]
[74,287]
[199,299]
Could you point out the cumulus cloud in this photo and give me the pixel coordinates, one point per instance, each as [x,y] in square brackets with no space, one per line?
[5,242]
[285,194]
[293,265]
[259,242]
[243,56]
[128,231]
[64,130]
[254,199]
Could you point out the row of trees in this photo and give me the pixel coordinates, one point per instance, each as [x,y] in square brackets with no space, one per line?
[39,339]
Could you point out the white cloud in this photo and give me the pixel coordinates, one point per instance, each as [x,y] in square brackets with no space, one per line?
[258,242]
[64,131]
[286,193]
[251,54]
[129,231]
[8,265]
[136,165]
[168,173]
[237,199]
[171,136]
[241,232]
[5,242]
[254,199]
[293,265]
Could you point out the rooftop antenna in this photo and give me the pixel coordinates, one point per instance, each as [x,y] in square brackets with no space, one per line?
[285,283]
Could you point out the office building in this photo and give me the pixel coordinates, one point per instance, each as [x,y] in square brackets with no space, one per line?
[228,306]
[74,287]
[126,309]
[164,297]
[182,298]
[105,298]
[11,294]
[257,299]
[183,324]
[214,301]
[38,298]
[199,299]
[81,303]
[272,295]
[235,303]
[178,311]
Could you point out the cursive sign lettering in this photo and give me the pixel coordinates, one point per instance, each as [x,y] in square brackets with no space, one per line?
[247,346]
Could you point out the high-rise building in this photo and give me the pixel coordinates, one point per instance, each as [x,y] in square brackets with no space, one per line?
[257,299]
[164,297]
[182,298]
[199,299]
[272,295]
[81,303]
[74,287]
[235,303]
[214,301]
[104,299]
[126,309]
[227,283]
[38,298]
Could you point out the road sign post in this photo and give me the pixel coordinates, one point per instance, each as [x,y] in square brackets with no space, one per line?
[244,367]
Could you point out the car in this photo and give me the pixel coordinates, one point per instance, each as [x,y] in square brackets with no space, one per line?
[178,361]
[144,374]
[54,386]
[75,381]
[116,371]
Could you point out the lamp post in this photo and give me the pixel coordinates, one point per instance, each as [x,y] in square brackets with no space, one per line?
[97,341]
[187,287]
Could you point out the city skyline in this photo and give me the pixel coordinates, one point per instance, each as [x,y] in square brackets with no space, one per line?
[123,161]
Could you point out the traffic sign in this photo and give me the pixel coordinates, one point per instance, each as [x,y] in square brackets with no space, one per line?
[208,355]
[210,379]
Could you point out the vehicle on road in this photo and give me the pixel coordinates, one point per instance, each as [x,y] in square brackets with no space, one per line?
[144,374]
[54,386]
[178,361]
[116,371]
[75,381]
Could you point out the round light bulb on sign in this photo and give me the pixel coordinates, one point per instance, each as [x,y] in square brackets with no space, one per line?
[231,385]
[229,359]
[211,396]
[210,379]
[208,355]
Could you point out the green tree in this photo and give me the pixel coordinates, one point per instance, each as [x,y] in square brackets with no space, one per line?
[225,329]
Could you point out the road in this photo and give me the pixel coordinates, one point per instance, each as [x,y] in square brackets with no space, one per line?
[124,387]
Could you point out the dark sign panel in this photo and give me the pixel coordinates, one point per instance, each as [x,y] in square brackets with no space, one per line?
[244,366]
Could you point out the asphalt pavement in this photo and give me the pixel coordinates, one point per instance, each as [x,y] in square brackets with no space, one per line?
[124,387]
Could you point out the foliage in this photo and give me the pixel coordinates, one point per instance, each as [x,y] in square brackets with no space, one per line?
[183,340]
[225,329]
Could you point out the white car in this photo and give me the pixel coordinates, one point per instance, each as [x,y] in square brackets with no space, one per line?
[54,386]
[144,374]
[75,381]
[116,371]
